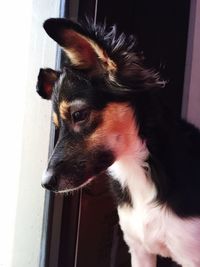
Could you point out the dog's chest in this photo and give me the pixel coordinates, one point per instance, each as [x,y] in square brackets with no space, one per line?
[144,226]
[144,222]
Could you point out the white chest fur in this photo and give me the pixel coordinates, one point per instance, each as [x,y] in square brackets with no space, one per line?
[144,226]
[150,228]
[139,223]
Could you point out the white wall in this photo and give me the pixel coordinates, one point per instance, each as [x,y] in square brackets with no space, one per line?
[25,121]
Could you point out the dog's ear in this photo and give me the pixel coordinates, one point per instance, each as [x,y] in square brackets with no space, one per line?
[46,81]
[83,52]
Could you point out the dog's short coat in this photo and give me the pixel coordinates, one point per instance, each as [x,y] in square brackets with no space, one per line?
[111,116]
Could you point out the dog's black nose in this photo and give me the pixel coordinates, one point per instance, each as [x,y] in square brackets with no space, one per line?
[49,180]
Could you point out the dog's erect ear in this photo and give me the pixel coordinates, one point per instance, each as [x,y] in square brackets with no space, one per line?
[83,52]
[46,82]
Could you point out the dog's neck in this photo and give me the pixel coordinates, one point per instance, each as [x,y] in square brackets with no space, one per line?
[131,170]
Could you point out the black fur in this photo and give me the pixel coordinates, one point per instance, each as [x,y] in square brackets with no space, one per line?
[122,195]
[174,144]
[121,49]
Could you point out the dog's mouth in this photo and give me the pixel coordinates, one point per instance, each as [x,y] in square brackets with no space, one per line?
[65,185]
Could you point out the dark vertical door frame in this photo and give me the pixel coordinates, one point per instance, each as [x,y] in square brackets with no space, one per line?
[52,205]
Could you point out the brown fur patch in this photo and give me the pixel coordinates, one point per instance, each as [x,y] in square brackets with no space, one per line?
[63,109]
[118,128]
[55,119]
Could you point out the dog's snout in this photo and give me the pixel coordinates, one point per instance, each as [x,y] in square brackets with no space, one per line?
[49,180]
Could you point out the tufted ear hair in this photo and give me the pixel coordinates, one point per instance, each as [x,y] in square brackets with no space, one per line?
[46,81]
[83,52]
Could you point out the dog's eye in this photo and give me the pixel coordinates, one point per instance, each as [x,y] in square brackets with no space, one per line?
[80,115]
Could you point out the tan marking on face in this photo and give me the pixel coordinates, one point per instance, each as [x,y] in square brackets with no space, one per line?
[118,129]
[55,119]
[63,108]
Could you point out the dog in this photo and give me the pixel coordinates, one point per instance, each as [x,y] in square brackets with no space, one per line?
[111,117]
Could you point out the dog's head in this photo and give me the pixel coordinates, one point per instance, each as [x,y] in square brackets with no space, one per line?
[92,99]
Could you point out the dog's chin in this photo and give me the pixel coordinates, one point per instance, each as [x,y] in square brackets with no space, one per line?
[66,186]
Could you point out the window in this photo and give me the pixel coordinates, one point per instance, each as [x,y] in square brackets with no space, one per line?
[25,128]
